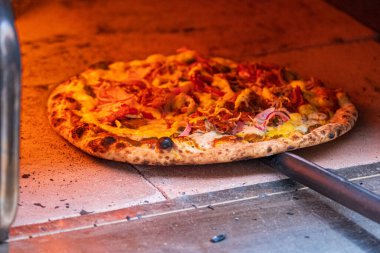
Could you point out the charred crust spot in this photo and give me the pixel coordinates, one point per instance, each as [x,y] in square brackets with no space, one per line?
[75,105]
[101,145]
[57,96]
[295,137]
[331,135]
[323,132]
[136,159]
[74,118]
[97,130]
[120,145]
[78,132]
[108,141]
[70,99]
[95,146]
[167,157]
[57,121]
[269,149]
[89,90]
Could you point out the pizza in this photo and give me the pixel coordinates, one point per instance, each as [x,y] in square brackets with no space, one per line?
[189,109]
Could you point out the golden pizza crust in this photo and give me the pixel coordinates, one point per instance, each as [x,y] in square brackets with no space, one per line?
[71,108]
[181,154]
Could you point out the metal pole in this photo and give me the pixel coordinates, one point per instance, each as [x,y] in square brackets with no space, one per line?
[328,184]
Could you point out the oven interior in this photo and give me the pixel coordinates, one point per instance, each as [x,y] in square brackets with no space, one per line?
[61,38]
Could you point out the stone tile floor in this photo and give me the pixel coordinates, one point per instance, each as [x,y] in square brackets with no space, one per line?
[60,38]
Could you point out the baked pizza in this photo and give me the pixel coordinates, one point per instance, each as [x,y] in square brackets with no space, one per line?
[188,109]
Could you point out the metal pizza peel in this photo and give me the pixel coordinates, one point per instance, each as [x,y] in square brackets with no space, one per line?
[327,183]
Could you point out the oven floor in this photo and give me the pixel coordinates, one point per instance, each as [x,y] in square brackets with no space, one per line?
[280,216]
[61,38]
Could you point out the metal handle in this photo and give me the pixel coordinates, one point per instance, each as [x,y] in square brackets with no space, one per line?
[9,118]
[328,184]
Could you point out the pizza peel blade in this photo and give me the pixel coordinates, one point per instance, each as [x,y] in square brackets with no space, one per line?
[327,183]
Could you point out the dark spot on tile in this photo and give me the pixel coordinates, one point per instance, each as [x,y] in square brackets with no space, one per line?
[105,29]
[188,29]
[218,238]
[39,204]
[84,212]
[337,40]
[83,45]
[25,176]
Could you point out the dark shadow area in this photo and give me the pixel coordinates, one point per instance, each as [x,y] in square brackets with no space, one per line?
[365,11]
[338,219]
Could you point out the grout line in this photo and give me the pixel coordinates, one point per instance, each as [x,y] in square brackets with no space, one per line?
[150,182]
[171,211]
[373,37]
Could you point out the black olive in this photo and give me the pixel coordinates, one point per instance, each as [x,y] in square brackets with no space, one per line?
[165,142]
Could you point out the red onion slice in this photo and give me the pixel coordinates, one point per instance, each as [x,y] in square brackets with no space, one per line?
[238,128]
[187,131]
[262,116]
[282,115]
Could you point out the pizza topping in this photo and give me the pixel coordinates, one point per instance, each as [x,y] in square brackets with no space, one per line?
[186,95]
[205,140]
[165,143]
[186,131]
[238,128]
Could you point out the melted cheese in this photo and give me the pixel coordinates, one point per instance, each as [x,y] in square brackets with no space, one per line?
[247,130]
[154,128]
[288,128]
[206,140]
[181,99]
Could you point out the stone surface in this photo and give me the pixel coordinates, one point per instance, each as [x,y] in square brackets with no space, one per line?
[61,38]
[176,181]
[57,180]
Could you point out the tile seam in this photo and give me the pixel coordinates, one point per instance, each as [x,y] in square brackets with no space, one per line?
[162,192]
